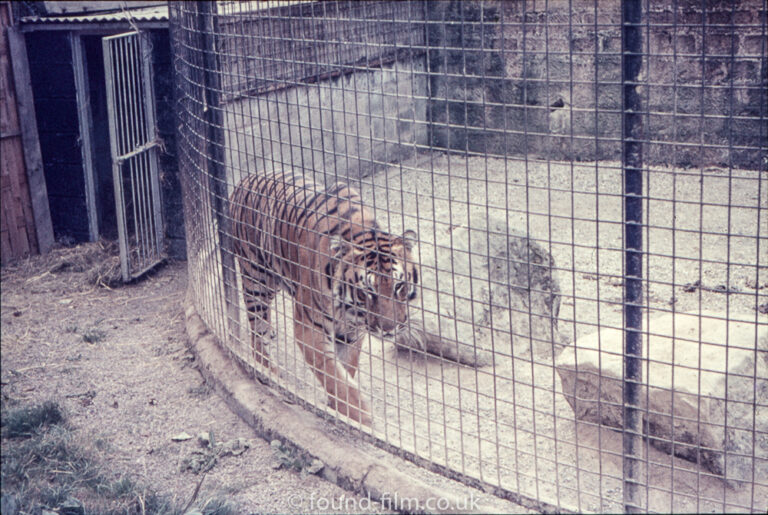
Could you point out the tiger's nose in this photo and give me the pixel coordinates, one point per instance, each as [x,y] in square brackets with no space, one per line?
[390,324]
[387,324]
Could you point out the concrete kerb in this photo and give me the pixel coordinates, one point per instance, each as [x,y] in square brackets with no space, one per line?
[302,432]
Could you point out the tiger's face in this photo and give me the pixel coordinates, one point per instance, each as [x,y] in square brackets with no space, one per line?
[377,281]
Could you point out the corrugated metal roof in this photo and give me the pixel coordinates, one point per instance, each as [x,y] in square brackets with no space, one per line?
[243,7]
[144,14]
[79,7]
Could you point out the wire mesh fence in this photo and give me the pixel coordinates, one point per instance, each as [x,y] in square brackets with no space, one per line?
[523,243]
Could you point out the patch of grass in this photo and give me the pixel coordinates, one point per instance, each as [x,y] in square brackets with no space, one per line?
[26,421]
[287,457]
[47,468]
[121,487]
[94,335]
[216,506]
[202,390]
[54,468]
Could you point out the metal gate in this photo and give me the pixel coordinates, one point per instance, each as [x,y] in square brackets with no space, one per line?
[134,145]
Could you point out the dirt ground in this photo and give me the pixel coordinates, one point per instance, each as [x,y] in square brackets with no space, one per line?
[116,360]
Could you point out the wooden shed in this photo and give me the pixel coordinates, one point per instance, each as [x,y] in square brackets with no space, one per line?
[69,74]
[25,222]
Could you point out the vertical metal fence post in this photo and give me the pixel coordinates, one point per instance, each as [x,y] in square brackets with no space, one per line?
[214,134]
[147,75]
[632,157]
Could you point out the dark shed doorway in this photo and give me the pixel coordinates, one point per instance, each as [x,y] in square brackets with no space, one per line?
[69,88]
[102,165]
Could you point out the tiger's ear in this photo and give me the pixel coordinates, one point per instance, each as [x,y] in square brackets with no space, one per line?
[410,239]
[339,246]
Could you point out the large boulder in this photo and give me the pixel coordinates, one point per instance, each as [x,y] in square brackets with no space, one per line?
[705,388]
[482,287]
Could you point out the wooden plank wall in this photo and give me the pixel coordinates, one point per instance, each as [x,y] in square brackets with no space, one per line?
[17,222]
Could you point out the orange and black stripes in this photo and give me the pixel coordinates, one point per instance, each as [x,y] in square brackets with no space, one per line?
[347,276]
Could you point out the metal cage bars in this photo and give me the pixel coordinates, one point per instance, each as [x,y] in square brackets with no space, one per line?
[470,121]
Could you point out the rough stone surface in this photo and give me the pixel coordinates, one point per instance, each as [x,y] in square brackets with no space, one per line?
[543,79]
[351,139]
[488,284]
[705,388]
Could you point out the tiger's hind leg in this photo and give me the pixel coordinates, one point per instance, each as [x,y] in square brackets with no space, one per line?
[319,352]
[258,292]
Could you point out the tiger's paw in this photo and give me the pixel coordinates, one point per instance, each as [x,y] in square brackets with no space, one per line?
[260,342]
[261,357]
[264,331]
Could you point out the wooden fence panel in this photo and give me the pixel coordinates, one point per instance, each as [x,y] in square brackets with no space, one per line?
[18,219]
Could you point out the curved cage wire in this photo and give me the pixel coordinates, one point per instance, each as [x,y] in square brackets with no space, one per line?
[587,183]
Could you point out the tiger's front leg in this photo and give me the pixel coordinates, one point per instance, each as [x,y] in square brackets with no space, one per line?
[258,293]
[348,350]
[319,352]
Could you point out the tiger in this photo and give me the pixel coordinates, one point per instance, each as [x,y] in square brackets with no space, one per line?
[346,275]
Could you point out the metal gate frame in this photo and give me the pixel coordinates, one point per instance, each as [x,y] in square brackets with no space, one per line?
[134,144]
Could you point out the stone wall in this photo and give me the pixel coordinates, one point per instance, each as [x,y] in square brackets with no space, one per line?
[335,88]
[346,87]
[349,126]
[543,79]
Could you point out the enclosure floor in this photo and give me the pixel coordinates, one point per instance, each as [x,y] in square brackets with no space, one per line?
[508,423]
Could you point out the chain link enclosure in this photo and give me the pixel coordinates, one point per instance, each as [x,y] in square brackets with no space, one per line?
[588,185]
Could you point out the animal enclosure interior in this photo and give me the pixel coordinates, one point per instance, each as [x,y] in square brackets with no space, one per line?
[553,221]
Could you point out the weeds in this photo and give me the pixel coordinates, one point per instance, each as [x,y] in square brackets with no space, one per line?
[46,465]
[214,506]
[287,457]
[90,335]
[25,421]
[94,335]
[203,460]
[203,390]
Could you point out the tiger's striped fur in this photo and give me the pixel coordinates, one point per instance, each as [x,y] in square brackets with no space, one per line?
[346,275]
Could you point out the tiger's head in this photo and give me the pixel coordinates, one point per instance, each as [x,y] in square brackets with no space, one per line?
[374,280]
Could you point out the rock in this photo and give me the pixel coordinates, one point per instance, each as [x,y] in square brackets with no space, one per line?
[71,506]
[205,438]
[181,437]
[486,290]
[483,286]
[718,371]
[315,467]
